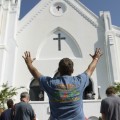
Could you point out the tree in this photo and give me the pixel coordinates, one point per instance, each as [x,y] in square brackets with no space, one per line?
[6,93]
[117,88]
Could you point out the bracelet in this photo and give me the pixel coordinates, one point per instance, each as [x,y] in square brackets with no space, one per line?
[96,58]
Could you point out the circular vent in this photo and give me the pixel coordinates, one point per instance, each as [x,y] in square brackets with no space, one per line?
[58,9]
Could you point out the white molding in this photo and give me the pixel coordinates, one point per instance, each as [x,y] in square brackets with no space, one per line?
[33,17]
[13,8]
[92,21]
[5,4]
[111,39]
[5,9]
[118,35]
[117,30]
[87,9]
[116,27]
[2,46]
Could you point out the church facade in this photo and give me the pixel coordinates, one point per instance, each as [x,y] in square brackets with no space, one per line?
[52,30]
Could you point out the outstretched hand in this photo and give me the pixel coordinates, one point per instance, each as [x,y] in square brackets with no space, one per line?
[98,53]
[27,57]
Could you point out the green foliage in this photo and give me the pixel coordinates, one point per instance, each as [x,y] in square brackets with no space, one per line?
[6,93]
[100,118]
[117,87]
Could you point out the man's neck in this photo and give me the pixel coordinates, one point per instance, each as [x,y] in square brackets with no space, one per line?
[110,95]
[24,100]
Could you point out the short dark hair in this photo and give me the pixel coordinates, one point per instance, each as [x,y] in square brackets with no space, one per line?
[10,103]
[24,95]
[66,66]
[110,90]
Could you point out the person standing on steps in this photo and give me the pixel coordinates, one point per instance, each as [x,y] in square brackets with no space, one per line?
[65,92]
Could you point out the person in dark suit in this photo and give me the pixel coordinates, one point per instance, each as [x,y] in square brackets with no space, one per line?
[7,114]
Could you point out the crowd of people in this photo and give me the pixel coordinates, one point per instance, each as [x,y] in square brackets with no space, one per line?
[20,111]
[65,93]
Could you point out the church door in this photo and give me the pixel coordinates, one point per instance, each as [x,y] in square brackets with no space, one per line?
[36,93]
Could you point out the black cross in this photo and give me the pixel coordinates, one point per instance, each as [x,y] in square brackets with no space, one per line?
[59,40]
[58,8]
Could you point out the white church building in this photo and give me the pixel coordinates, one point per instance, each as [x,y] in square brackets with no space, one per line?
[52,30]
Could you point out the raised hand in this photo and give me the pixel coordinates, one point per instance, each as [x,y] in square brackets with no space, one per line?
[27,57]
[98,53]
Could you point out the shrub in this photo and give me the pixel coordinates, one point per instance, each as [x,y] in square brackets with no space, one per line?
[7,92]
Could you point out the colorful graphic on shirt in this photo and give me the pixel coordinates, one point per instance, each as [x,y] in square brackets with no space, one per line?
[66,93]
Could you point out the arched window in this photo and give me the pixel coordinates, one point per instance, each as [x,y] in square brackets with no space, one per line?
[88,92]
[36,93]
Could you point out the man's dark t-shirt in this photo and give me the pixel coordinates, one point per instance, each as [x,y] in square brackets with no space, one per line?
[110,106]
[24,111]
[6,115]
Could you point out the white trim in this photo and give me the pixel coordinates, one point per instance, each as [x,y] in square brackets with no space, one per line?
[2,46]
[116,27]
[118,35]
[3,68]
[117,30]
[14,67]
[93,20]
[32,18]
[47,102]
[89,11]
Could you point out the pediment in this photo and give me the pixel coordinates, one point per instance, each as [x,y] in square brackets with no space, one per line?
[45,7]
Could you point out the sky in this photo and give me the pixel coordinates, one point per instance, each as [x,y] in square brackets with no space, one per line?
[94,5]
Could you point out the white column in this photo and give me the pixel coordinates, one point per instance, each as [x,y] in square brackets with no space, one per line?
[110,47]
[3,34]
[113,56]
[8,71]
[106,19]
[3,20]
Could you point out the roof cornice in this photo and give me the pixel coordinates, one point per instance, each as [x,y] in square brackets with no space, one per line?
[117,32]
[89,11]
[93,19]
[33,17]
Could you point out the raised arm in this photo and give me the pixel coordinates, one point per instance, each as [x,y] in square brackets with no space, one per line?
[95,59]
[28,60]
